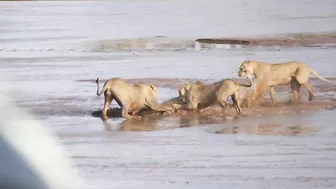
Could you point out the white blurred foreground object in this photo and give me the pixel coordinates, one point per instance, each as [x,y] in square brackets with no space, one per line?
[30,157]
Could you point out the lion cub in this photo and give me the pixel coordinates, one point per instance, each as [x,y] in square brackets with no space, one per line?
[199,96]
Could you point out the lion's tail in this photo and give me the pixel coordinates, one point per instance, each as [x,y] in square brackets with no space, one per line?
[318,76]
[102,91]
[250,82]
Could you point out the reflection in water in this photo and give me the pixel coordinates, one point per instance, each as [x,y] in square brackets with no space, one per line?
[270,125]
[196,120]
[267,129]
[154,123]
[139,125]
[188,121]
[145,124]
[157,122]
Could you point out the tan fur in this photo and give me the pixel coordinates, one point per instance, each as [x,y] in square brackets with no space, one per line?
[131,98]
[199,96]
[181,99]
[269,75]
[184,88]
[247,94]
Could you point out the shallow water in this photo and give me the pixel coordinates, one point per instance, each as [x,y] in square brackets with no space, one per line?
[197,157]
[51,52]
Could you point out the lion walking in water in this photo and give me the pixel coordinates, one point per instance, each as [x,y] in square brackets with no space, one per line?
[269,75]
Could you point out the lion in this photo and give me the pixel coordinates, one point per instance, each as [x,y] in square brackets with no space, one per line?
[131,98]
[292,73]
[200,96]
[247,94]
[184,88]
[181,98]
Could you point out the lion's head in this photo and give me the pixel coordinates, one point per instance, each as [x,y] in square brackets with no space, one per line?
[245,69]
[193,95]
[183,91]
[185,88]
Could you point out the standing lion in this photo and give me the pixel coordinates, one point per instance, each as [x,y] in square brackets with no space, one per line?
[269,75]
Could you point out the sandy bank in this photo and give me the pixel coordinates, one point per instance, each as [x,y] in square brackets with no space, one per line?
[301,39]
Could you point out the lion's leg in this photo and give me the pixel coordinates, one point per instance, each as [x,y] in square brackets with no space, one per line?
[135,112]
[302,77]
[295,86]
[124,113]
[244,103]
[234,104]
[107,103]
[260,92]
[237,102]
[222,103]
[154,105]
[272,94]
[248,102]
[221,99]
[310,90]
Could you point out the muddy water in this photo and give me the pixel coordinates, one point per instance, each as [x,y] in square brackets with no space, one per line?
[51,52]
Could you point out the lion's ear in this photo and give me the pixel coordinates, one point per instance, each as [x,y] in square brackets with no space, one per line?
[153,87]
[246,62]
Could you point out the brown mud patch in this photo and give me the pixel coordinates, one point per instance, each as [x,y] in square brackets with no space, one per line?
[136,125]
[300,39]
[282,108]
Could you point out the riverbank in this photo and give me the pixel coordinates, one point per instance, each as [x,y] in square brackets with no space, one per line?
[292,40]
